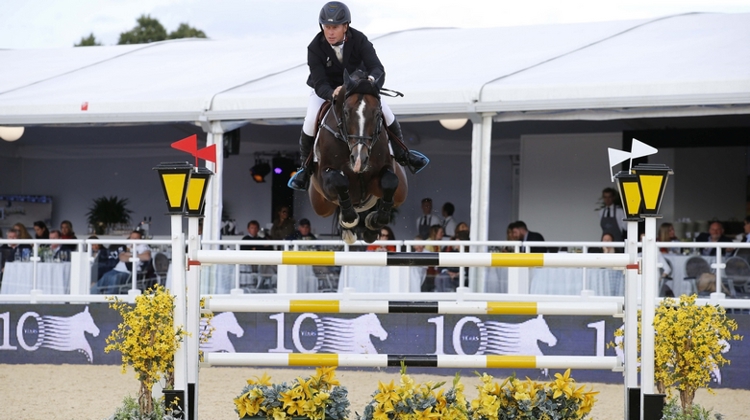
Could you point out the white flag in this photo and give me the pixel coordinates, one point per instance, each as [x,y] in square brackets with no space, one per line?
[640,149]
[616,157]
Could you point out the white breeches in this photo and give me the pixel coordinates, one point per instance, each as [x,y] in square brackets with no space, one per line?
[313,106]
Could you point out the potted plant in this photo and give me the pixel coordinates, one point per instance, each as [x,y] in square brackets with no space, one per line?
[410,400]
[317,397]
[688,346]
[107,212]
[516,399]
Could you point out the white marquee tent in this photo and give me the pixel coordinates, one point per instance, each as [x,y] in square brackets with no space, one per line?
[685,65]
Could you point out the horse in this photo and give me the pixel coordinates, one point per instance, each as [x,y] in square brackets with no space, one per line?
[355,172]
[336,335]
[68,333]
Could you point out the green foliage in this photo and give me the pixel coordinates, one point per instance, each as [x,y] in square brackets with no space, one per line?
[148,30]
[318,397]
[107,212]
[129,410]
[89,41]
[186,31]
[673,411]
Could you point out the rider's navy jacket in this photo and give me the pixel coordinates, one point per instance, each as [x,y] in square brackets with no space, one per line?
[326,72]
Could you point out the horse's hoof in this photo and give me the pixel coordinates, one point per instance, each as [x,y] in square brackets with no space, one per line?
[350,225]
[370,236]
[348,236]
[371,222]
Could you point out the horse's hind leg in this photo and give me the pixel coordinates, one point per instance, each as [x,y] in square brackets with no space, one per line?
[381,217]
[340,183]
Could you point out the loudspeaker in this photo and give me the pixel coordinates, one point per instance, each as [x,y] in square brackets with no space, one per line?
[231,143]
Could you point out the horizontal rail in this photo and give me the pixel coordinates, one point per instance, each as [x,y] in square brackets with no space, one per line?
[412,259]
[234,304]
[390,360]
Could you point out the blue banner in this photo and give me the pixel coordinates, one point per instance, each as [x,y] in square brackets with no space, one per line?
[76,334]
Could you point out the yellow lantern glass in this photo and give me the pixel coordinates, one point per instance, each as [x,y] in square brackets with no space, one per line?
[174,177]
[630,194]
[196,194]
[653,181]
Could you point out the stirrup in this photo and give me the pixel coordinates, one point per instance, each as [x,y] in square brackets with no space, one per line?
[300,181]
[418,155]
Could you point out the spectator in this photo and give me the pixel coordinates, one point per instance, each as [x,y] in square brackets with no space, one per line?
[521,233]
[253,234]
[66,228]
[611,216]
[715,234]
[58,252]
[606,237]
[40,228]
[101,261]
[113,280]
[745,237]
[462,231]
[22,251]
[386,234]
[283,225]
[427,219]
[22,232]
[667,234]
[448,277]
[302,232]
[449,223]
[435,234]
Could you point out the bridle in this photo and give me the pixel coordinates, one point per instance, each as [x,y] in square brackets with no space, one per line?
[341,124]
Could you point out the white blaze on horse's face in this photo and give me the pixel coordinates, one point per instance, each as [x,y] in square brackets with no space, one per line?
[359,164]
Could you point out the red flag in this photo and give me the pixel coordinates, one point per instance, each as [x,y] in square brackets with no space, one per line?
[188,144]
[207,153]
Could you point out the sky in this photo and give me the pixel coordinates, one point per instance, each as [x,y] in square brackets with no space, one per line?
[28,24]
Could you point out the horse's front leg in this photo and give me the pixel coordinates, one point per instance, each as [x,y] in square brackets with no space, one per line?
[381,217]
[337,181]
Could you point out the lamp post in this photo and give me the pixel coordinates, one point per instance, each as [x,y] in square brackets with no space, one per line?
[175,177]
[630,194]
[196,200]
[649,181]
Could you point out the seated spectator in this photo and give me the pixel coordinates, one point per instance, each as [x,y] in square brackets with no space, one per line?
[283,224]
[386,234]
[253,234]
[436,233]
[667,234]
[521,233]
[715,234]
[22,251]
[113,280]
[447,278]
[606,237]
[66,230]
[101,261]
[58,252]
[302,232]
[40,228]
[462,232]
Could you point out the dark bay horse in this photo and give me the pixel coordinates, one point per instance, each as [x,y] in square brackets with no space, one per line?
[355,171]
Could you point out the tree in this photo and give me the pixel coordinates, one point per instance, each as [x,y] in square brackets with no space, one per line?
[89,41]
[148,30]
[186,31]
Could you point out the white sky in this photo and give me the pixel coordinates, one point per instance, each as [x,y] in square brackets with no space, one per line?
[62,23]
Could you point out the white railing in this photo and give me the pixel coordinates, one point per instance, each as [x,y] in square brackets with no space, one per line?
[518,279]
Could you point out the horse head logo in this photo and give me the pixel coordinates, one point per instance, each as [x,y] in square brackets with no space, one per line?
[69,333]
[222,324]
[338,335]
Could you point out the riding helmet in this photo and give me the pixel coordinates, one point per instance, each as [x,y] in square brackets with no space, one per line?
[334,13]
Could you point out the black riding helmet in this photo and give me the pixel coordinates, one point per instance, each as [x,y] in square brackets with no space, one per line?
[334,13]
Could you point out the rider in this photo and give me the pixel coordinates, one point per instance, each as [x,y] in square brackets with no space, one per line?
[335,48]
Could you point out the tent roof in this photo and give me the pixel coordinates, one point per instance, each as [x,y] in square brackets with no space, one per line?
[693,64]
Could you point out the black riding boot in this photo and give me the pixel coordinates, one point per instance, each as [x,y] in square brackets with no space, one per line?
[301,180]
[411,159]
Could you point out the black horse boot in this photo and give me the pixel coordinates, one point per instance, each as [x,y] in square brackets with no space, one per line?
[411,159]
[301,180]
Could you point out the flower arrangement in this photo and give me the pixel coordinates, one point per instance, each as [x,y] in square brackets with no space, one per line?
[147,339]
[688,346]
[318,397]
[410,400]
[516,399]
